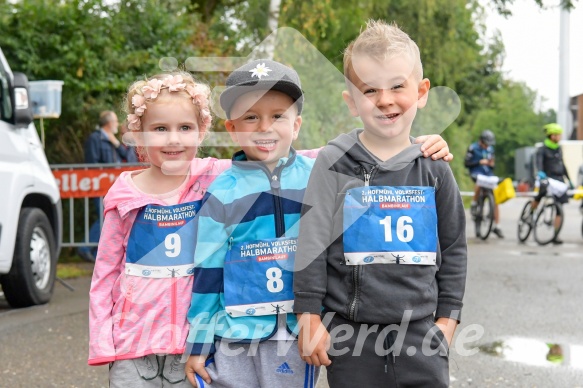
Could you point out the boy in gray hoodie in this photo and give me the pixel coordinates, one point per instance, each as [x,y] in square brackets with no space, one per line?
[382,242]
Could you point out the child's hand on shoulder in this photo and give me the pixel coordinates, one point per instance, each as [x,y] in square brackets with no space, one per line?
[313,340]
[434,146]
[195,365]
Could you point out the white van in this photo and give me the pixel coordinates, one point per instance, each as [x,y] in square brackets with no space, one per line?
[30,205]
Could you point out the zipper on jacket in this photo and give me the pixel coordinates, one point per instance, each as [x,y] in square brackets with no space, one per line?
[276,193]
[173,298]
[356,284]
[368,175]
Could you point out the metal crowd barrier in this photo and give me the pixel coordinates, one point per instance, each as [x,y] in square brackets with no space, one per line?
[80,183]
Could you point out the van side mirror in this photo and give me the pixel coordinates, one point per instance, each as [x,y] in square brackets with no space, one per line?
[22,106]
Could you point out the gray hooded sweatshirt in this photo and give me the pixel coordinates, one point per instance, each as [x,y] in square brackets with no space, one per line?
[377,293]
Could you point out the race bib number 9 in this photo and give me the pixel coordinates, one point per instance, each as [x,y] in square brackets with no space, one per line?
[161,243]
[390,225]
[258,277]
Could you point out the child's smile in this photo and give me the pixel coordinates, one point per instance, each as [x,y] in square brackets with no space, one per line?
[388,118]
[266,145]
[171,134]
[264,124]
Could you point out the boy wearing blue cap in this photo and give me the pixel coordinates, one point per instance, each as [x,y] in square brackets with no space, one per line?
[246,241]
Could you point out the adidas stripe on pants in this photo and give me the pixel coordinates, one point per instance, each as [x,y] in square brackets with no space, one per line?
[259,365]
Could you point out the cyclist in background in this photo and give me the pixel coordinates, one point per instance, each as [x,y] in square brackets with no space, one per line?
[549,164]
[480,160]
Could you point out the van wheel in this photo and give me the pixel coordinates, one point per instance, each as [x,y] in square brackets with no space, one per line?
[32,277]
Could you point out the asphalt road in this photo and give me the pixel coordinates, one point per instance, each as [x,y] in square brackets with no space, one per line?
[520,297]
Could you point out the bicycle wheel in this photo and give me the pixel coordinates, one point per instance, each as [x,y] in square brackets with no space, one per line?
[525,222]
[485,215]
[544,224]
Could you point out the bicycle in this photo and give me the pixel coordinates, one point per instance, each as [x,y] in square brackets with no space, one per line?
[542,219]
[483,215]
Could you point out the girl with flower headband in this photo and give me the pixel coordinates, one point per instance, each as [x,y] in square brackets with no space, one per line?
[142,281]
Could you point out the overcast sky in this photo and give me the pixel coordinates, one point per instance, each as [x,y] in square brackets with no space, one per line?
[531,40]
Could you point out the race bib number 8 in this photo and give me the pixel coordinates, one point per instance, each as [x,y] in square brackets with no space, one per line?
[390,225]
[274,282]
[258,277]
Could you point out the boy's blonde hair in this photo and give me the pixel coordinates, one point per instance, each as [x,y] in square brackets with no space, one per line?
[380,41]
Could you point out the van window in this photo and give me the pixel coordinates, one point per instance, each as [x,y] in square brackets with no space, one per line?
[5,102]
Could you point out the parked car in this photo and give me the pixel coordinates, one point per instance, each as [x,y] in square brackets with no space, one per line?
[30,205]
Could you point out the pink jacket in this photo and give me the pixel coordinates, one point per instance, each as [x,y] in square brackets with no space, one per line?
[132,316]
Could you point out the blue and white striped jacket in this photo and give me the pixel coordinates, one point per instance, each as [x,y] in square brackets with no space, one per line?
[245,203]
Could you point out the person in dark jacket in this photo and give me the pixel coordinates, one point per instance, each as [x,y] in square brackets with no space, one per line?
[128,144]
[382,250]
[102,147]
[480,160]
[549,164]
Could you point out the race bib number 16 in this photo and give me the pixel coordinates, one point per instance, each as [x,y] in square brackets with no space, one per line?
[390,225]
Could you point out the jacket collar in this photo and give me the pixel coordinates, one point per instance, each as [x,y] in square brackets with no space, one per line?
[240,160]
[125,198]
[102,134]
[551,144]
[352,146]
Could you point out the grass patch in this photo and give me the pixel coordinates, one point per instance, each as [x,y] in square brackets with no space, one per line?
[69,255]
[74,270]
[467,201]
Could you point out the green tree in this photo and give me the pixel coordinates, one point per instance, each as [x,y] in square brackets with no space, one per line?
[450,35]
[513,120]
[502,5]
[97,49]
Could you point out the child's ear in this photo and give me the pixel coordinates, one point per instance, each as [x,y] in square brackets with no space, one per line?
[230,125]
[423,92]
[297,126]
[350,102]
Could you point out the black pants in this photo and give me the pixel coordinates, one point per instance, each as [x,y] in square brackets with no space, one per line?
[387,356]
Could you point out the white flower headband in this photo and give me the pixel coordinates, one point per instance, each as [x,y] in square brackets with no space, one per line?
[150,91]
